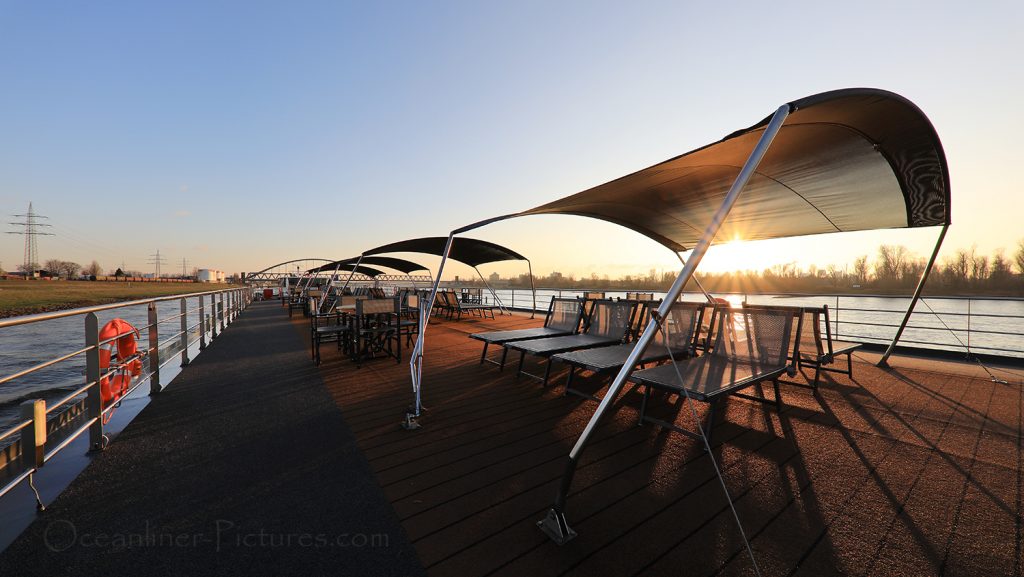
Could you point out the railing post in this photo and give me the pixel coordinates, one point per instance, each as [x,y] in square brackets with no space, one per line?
[969,328]
[220,312]
[184,333]
[154,351]
[213,316]
[93,401]
[33,438]
[202,324]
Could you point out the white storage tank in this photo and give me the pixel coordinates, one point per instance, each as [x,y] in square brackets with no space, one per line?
[207,275]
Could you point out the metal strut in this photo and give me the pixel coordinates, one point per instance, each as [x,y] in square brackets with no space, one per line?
[555,524]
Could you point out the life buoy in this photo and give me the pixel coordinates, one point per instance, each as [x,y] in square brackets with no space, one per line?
[121,336]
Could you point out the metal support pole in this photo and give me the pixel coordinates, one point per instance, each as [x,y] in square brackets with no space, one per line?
[884,361]
[533,289]
[184,333]
[154,351]
[330,282]
[501,305]
[352,274]
[710,298]
[202,324]
[93,401]
[416,362]
[220,311]
[555,524]
[33,438]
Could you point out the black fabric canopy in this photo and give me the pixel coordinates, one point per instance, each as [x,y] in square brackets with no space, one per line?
[368,271]
[854,159]
[399,264]
[466,250]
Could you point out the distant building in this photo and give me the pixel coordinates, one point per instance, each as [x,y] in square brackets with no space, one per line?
[210,275]
[494,278]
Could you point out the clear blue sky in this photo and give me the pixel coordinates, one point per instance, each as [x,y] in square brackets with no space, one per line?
[241,134]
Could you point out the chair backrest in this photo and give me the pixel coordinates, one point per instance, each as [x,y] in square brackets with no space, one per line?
[800,326]
[412,300]
[564,314]
[375,306]
[680,328]
[346,300]
[610,318]
[760,335]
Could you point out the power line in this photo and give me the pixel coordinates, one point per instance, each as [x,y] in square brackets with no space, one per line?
[156,259]
[30,233]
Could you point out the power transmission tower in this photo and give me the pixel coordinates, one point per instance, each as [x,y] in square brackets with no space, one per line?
[156,259]
[184,263]
[30,233]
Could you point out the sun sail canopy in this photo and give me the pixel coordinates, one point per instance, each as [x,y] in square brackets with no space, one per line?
[402,265]
[855,159]
[470,251]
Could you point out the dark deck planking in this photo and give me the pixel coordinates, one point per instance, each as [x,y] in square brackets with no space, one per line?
[901,472]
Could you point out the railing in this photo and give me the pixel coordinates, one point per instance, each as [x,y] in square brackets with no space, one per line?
[42,431]
[971,325]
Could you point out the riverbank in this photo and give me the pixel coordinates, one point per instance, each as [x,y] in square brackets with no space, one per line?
[27,297]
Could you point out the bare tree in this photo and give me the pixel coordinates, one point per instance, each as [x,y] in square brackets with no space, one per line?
[891,261]
[835,274]
[979,266]
[52,266]
[69,269]
[860,269]
[94,269]
[1018,257]
[959,267]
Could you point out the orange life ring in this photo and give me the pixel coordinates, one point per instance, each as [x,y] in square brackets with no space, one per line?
[121,336]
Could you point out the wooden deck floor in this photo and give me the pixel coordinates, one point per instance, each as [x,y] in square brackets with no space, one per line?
[899,472]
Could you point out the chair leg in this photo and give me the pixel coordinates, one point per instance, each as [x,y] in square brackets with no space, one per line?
[522,358]
[643,405]
[568,381]
[504,354]
[547,372]
[483,355]
[778,395]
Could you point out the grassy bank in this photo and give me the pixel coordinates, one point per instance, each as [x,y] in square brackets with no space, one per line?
[24,297]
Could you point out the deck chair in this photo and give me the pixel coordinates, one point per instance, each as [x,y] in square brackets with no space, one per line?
[608,324]
[331,326]
[588,302]
[459,306]
[751,346]
[377,329]
[819,352]
[681,328]
[563,318]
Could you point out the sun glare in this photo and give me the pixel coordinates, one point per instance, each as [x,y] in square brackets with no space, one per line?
[736,255]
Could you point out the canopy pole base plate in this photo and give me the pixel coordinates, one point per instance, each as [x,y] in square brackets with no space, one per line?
[556,527]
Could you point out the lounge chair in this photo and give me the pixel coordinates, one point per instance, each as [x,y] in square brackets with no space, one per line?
[608,324]
[458,307]
[752,346]
[680,327]
[563,318]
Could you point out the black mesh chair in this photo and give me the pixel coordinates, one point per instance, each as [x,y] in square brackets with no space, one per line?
[334,326]
[608,324]
[751,346]
[563,318]
[677,340]
[821,351]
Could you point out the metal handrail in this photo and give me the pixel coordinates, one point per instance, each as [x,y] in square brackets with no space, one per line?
[222,312]
[28,319]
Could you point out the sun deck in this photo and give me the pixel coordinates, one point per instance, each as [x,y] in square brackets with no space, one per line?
[910,471]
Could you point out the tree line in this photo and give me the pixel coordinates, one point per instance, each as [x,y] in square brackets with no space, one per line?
[892,269]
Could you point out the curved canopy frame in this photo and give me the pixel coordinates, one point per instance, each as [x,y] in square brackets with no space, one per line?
[470,251]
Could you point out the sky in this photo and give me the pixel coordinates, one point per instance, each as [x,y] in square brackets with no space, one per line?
[238,135]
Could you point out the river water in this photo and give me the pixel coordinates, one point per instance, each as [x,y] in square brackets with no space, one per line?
[24,346]
[984,325]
